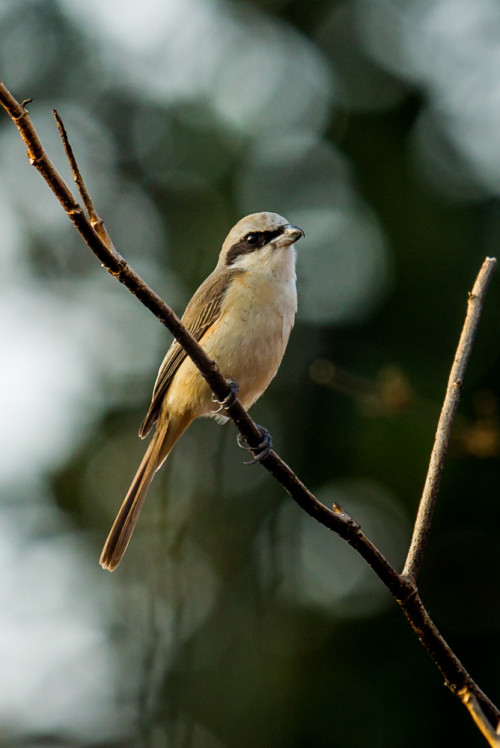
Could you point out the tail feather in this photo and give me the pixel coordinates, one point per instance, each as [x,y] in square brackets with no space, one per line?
[124,524]
[158,450]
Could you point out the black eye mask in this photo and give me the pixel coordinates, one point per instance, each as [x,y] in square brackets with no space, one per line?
[251,242]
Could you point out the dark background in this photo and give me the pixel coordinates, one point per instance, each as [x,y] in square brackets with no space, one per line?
[235,620]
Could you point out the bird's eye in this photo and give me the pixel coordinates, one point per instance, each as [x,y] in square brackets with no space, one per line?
[252,239]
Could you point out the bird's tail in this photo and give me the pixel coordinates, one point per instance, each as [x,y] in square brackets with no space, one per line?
[124,524]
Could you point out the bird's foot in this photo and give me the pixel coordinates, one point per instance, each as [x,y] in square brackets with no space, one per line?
[261,451]
[230,399]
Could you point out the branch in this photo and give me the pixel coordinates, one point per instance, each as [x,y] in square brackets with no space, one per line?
[472,705]
[402,588]
[95,221]
[428,501]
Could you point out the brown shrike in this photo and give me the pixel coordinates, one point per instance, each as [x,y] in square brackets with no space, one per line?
[242,315]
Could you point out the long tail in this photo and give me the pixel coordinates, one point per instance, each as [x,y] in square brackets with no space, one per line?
[124,524]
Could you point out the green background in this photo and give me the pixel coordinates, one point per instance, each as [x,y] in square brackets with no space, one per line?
[235,620]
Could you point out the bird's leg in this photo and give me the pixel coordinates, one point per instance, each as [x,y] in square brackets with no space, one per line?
[229,400]
[262,450]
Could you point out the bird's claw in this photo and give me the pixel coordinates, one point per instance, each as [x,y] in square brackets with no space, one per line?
[230,399]
[261,451]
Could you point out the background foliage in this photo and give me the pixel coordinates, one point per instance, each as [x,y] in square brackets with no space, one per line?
[234,620]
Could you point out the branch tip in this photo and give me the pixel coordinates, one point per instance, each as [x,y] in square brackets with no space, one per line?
[490,732]
[423,520]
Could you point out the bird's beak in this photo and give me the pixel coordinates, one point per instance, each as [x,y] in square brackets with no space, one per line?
[290,235]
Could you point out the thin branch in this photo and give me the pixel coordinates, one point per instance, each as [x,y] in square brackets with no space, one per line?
[431,488]
[403,589]
[95,220]
[472,705]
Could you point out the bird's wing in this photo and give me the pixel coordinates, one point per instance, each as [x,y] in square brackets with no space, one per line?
[202,311]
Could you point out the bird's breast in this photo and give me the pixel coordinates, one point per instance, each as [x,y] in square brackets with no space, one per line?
[255,325]
[247,341]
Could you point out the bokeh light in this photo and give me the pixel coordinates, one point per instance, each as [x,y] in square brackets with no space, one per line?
[234,619]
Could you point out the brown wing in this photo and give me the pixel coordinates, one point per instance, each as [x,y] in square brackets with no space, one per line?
[201,313]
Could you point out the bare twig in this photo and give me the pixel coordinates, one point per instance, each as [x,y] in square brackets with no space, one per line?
[95,221]
[431,488]
[482,723]
[402,588]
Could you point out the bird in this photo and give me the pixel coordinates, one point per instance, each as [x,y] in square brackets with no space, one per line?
[242,316]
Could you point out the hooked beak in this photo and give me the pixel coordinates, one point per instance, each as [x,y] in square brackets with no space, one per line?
[290,235]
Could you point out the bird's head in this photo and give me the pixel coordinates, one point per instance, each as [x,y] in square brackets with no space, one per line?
[256,239]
